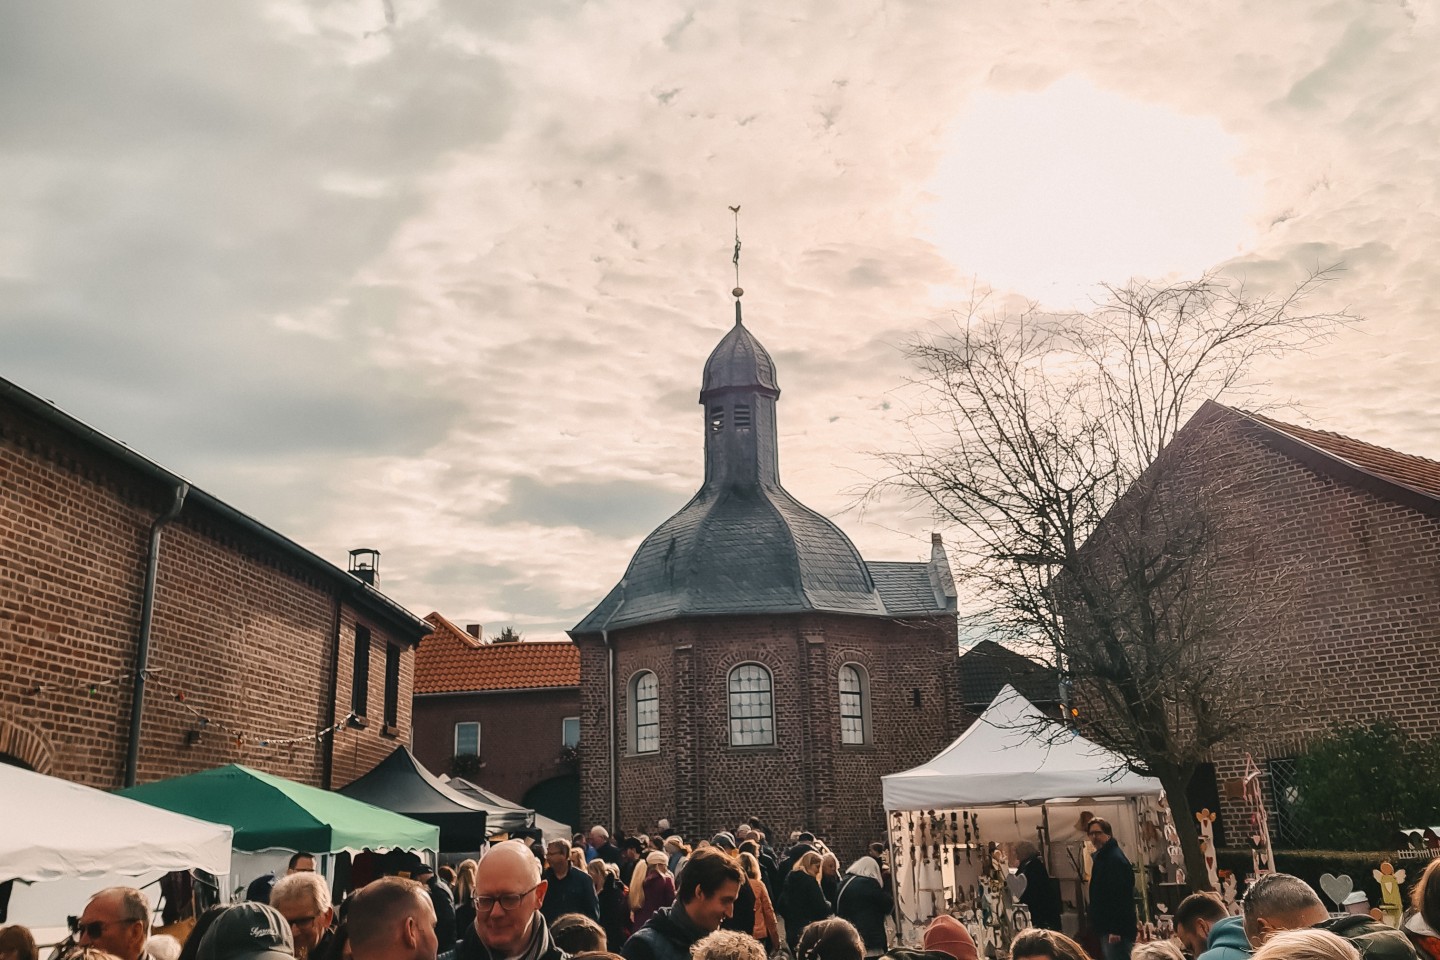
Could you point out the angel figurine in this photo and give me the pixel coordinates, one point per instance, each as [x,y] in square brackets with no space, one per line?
[1392,905]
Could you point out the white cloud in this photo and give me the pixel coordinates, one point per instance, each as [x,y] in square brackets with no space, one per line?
[380,282]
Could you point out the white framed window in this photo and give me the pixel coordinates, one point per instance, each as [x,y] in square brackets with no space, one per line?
[467,739]
[644,713]
[752,706]
[854,704]
[570,732]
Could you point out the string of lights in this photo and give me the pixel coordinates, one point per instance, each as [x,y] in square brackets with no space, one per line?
[91,688]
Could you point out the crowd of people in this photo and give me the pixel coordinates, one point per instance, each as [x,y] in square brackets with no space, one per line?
[726,898]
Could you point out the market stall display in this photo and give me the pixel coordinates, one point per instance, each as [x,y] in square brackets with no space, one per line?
[1013,776]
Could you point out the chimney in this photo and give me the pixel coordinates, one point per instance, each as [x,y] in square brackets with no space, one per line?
[475,630]
[365,565]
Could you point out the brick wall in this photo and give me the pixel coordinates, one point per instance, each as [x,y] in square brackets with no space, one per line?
[243,631]
[808,778]
[1365,628]
[1357,628]
[520,734]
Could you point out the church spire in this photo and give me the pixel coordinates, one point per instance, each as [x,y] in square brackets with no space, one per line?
[738,394]
[739,291]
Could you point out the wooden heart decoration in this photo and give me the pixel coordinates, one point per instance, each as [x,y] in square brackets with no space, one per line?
[1337,888]
[1017,882]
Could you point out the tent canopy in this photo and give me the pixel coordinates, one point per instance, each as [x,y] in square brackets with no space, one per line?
[269,811]
[1013,754]
[55,828]
[401,783]
[501,816]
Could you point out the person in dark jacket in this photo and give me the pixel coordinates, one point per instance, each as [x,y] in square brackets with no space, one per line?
[742,918]
[567,890]
[615,918]
[1112,892]
[802,902]
[708,886]
[863,901]
[1042,894]
[1279,901]
[829,875]
[508,922]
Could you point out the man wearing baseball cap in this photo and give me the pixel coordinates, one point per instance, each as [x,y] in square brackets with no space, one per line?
[248,931]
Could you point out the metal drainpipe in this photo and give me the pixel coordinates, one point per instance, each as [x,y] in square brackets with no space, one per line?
[610,723]
[142,646]
[610,709]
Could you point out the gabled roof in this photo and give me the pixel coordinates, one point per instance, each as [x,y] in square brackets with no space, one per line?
[987,668]
[452,661]
[361,595]
[907,589]
[1405,469]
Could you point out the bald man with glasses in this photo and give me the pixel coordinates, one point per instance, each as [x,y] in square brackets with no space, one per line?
[508,922]
[116,920]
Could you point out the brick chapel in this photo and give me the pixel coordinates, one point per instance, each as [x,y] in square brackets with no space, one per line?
[750,662]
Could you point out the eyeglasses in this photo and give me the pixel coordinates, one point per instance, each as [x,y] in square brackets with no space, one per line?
[507,901]
[94,928]
[1096,833]
[302,921]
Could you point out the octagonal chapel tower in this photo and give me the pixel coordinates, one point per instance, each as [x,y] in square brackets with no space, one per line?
[750,662]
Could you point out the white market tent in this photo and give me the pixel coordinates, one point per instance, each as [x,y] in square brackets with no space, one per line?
[1013,754]
[54,828]
[1021,777]
[63,841]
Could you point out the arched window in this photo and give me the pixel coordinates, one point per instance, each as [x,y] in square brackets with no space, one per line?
[854,704]
[752,706]
[644,713]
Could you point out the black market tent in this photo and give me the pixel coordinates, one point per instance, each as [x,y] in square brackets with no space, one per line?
[501,816]
[400,783]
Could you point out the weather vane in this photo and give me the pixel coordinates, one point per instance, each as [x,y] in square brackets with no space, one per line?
[737,292]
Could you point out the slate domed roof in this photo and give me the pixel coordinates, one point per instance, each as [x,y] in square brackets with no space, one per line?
[743,544]
[739,361]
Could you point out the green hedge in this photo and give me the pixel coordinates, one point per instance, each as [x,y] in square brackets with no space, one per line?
[1308,865]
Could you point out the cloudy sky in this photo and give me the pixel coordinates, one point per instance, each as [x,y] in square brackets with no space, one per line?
[439,276]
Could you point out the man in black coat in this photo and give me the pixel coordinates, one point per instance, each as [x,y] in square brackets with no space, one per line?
[1112,892]
[567,890]
[1041,895]
[705,896]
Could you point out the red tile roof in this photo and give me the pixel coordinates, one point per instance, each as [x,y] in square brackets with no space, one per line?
[452,661]
[1405,469]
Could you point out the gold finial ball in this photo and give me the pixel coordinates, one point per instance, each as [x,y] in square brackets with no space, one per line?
[737,292]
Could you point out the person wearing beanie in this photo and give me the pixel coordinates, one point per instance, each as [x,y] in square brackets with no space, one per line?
[947,935]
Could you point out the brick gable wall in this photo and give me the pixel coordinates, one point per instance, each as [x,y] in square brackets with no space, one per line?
[244,632]
[808,778]
[1366,630]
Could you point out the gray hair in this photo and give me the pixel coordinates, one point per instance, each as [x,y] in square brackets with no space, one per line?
[290,888]
[134,905]
[1278,895]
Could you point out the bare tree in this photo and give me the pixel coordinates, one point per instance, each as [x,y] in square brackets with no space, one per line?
[1086,538]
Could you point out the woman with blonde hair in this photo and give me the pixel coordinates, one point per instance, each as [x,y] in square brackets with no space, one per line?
[1157,950]
[612,896]
[802,902]
[651,887]
[829,875]
[1309,944]
[465,894]
[767,931]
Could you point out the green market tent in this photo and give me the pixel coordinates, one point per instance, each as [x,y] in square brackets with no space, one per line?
[269,812]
